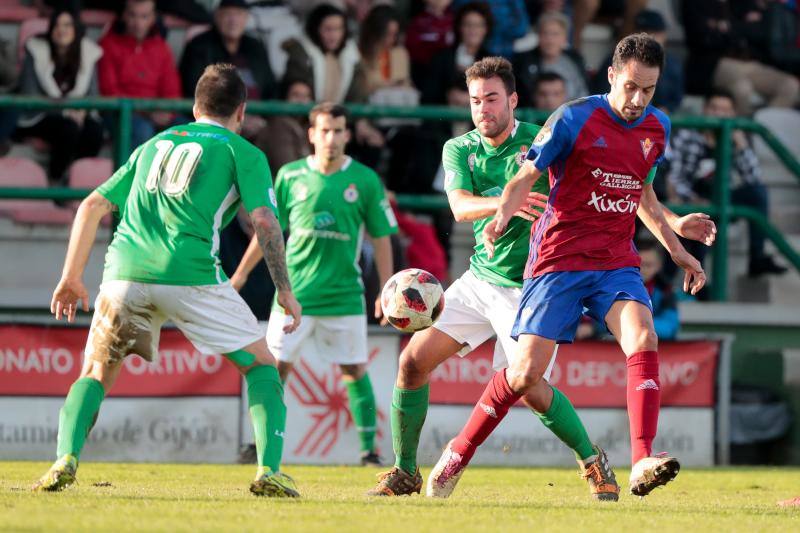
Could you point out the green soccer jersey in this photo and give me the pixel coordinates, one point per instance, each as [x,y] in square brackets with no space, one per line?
[326,216]
[473,165]
[175,194]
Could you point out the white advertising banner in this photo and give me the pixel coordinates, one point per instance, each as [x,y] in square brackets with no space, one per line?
[167,430]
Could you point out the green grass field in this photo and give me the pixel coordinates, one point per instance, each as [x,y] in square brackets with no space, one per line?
[156,497]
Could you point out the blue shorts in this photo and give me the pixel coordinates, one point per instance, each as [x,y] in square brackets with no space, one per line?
[552,303]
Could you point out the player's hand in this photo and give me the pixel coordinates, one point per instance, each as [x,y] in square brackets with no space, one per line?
[379,311]
[292,307]
[694,277]
[529,211]
[238,281]
[491,232]
[66,297]
[697,227]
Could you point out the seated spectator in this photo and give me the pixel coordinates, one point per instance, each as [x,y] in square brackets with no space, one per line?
[665,312]
[585,11]
[473,23]
[692,170]
[8,82]
[285,139]
[721,39]
[552,55]
[326,58]
[226,42]
[511,22]
[61,64]
[550,92]
[428,33]
[670,88]
[138,63]
[385,61]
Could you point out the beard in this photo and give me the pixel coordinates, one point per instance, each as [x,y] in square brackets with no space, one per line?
[498,126]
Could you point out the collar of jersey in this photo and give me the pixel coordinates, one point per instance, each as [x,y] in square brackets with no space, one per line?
[312,164]
[492,149]
[622,122]
[209,122]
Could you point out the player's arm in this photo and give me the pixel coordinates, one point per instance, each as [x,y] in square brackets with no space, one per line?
[270,240]
[384,263]
[652,214]
[694,226]
[467,207]
[514,196]
[70,288]
[249,260]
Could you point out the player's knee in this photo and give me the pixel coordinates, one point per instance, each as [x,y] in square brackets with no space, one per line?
[353,372]
[645,340]
[412,367]
[524,377]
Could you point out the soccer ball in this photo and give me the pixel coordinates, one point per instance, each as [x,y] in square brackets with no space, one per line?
[412,300]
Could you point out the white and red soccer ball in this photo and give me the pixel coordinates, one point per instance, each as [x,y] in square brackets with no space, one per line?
[412,300]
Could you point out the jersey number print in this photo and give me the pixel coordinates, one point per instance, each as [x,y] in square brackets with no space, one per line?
[173,167]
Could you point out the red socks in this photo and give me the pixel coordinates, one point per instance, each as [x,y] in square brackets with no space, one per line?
[644,402]
[493,406]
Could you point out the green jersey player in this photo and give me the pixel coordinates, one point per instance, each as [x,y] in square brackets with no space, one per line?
[483,302]
[327,201]
[175,194]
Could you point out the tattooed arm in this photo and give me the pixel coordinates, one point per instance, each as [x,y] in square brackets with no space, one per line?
[70,289]
[270,242]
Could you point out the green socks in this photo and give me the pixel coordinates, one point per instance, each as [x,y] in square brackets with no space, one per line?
[409,408]
[362,408]
[78,415]
[268,413]
[565,424]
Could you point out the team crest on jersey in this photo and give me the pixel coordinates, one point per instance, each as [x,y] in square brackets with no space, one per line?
[543,136]
[471,162]
[520,157]
[351,193]
[647,145]
[300,192]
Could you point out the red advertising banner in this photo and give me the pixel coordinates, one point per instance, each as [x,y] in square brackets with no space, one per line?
[44,361]
[591,374]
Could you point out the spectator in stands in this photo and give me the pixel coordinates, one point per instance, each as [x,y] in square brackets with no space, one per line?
[585,11]
[8,82]
[446,84]
[550,92]
[665,312]
[285,139]
[692,169]
[552,55]
[138,63]
[428,33]
[326,58]
[385,61]
[62,64]
[670,89]
[511,22]
[720,35]
[226,42]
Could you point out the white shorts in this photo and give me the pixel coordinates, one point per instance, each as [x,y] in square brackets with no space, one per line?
[336,339]
[476,310]
[128,317]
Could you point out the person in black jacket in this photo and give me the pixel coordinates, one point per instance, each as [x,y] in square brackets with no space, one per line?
[552,55]
[226,42]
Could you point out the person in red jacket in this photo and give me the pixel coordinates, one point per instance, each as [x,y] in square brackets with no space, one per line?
[428,32]
[138,63]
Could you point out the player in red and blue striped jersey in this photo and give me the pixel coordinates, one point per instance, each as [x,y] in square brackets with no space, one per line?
[602,153]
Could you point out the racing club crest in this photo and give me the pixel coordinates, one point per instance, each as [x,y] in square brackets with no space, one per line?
[471,162]
[351,193]
[520,157]
[647,145]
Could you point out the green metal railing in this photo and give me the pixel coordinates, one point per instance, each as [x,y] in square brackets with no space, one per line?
[722,209]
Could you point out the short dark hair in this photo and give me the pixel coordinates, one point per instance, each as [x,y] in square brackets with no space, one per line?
[482,9]
[544,77]
[718,92]
[326,108]
[639,47]
[490,67]
[220,90]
